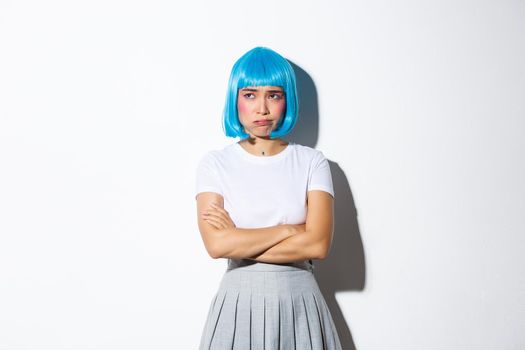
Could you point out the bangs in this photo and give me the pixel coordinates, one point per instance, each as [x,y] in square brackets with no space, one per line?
[262,71]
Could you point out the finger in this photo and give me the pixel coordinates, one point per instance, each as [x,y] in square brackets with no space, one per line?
[219,219]
[223,214]
[217,214]
[214,223]
[216,207]
[211,212]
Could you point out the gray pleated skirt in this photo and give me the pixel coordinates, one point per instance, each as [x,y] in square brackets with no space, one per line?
[261,306]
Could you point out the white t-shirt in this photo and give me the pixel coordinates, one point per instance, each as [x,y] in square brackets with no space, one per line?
[262,191]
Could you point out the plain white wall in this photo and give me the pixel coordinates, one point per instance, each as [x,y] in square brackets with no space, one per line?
[106,107]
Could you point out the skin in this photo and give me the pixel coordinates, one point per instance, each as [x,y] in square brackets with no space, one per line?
[276,244]
[262,103]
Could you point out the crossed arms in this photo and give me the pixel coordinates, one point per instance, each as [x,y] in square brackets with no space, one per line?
[276,244]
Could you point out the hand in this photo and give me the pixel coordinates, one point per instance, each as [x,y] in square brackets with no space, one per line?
[218,217]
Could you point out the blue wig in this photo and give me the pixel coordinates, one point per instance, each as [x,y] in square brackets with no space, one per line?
[261,66]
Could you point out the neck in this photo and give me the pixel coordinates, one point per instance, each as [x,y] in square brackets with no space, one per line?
[263,146]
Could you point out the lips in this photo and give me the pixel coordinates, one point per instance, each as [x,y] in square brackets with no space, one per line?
[262,122]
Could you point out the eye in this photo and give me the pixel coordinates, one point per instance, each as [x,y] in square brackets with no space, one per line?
[248,95]
[276,96]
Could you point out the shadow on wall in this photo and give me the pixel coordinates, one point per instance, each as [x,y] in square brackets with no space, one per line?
[344,269]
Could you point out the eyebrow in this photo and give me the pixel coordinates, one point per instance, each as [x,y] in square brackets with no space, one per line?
[251,89]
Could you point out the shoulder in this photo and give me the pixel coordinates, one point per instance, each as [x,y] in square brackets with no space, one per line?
[308,153]
[209,156]
[217,156]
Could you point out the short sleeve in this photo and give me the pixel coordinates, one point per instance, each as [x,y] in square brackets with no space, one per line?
[320,177]
[207,177]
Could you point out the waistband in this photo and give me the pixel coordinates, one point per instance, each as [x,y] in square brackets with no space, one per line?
[252,265]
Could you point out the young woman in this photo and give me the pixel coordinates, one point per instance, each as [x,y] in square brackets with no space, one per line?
[266,205]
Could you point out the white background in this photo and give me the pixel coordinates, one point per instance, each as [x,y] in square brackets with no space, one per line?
[107,106]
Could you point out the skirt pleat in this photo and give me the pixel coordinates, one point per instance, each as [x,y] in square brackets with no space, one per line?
[242,337]
[320,317]
[332,339]
[287,340]
[213,318]
[271,317]
[258,327]
[279,308]
[314,326]
[222,337]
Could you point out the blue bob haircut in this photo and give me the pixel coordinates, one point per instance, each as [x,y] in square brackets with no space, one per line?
[261,66]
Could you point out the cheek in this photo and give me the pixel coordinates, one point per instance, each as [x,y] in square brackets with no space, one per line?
[280,107]
[242,106]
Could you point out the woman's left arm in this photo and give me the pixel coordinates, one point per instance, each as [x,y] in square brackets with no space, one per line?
[315,241]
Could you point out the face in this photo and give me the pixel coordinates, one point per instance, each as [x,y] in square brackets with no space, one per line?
[260,109]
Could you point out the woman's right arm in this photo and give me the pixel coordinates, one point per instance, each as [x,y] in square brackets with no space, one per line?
[223,240]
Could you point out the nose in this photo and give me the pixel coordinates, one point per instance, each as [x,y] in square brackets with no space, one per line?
[262,107]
